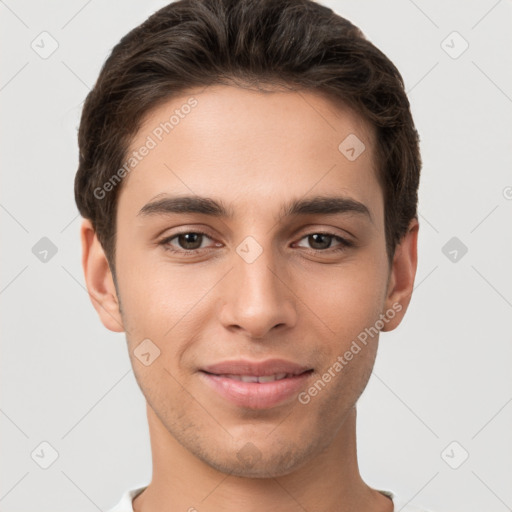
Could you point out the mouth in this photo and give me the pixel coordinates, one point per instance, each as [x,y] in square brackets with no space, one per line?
[255,378]
[248,368]
[256,385]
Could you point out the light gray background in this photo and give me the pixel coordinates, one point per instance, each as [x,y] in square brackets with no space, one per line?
[443,376]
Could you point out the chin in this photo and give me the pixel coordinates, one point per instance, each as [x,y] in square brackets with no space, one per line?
[250,462]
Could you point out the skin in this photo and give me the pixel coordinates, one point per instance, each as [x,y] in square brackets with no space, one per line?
[254,152]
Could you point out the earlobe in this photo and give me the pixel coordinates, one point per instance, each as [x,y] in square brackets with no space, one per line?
[401,280]
[98,278]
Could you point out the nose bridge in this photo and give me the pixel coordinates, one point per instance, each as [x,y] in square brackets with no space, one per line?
[257,300]
[257,280]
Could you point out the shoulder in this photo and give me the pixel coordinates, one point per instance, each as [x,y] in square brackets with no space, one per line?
[125,503]
[400,505]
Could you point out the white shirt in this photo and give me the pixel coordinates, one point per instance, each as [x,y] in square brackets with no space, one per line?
[125,504]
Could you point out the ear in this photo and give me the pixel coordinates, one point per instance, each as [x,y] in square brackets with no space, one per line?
[98,278]
[401,278]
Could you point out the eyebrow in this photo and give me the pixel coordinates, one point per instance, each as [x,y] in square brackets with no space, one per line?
[319,205]
[184,204]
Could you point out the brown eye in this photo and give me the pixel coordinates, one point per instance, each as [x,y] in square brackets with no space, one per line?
[190,241]
[320,241]
[325,242]
[186,242]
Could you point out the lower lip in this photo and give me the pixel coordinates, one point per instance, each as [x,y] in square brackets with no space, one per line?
[256,395]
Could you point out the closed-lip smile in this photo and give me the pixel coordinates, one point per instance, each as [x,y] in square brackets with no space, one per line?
[256,384]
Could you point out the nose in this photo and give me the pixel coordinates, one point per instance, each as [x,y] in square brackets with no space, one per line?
[256,297]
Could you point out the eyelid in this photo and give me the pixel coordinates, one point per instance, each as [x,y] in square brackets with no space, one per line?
[312,229]
[167,239]
[324,233]
[343,243]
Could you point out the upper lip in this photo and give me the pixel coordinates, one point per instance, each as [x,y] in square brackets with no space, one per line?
[256,368]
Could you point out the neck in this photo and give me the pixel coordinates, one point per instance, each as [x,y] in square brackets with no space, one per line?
[330,481]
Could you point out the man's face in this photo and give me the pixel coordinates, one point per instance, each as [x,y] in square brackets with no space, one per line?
[261,283]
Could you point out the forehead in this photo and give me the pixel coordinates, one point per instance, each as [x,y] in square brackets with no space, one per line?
[239,143]
[311,117]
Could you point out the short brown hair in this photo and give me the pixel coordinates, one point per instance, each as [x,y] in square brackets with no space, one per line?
[193,43]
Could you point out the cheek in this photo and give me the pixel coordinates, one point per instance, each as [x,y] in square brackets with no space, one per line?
[163,302]
[150,290]
[345,299]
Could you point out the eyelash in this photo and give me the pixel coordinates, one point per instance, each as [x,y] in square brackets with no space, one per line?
[344,243]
